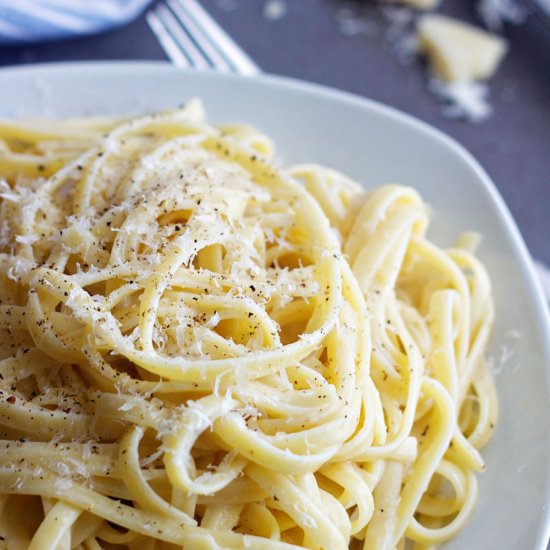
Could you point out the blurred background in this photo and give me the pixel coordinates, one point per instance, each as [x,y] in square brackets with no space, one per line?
[362,47]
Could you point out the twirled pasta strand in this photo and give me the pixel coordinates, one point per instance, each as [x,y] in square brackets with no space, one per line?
[200,349]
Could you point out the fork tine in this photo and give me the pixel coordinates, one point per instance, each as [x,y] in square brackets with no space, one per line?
[168,44]
[201,39]
[177,32]
[238,58]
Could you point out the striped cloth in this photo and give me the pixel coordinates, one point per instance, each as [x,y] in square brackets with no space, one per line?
[35,20]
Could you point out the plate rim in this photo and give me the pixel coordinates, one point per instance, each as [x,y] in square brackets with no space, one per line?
[534,291]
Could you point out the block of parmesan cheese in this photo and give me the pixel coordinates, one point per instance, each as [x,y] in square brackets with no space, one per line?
[457,51]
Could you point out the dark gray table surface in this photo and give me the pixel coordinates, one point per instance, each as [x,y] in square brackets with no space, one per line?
[307,43]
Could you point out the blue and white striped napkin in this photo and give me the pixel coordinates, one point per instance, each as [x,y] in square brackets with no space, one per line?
[35,20]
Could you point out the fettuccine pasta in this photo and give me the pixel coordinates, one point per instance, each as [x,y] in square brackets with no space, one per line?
[200,349]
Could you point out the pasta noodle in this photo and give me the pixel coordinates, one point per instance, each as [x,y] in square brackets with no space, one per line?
[201,349]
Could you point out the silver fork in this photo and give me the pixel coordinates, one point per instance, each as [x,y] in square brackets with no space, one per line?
[191,38]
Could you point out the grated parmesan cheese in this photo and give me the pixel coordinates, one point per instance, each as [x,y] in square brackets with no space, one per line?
[400,33]
[274,10]
[351,22]
[6,192]
[497,363]
[20,268]
[466,100]
[495,13]
[26,239]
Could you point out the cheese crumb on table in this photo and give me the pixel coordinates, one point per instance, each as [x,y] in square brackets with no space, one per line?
[274,10]
[495,13]
[465,100]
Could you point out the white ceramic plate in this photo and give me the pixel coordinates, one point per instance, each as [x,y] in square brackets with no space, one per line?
[373,144]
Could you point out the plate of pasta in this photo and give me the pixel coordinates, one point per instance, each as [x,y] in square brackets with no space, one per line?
[257,313]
